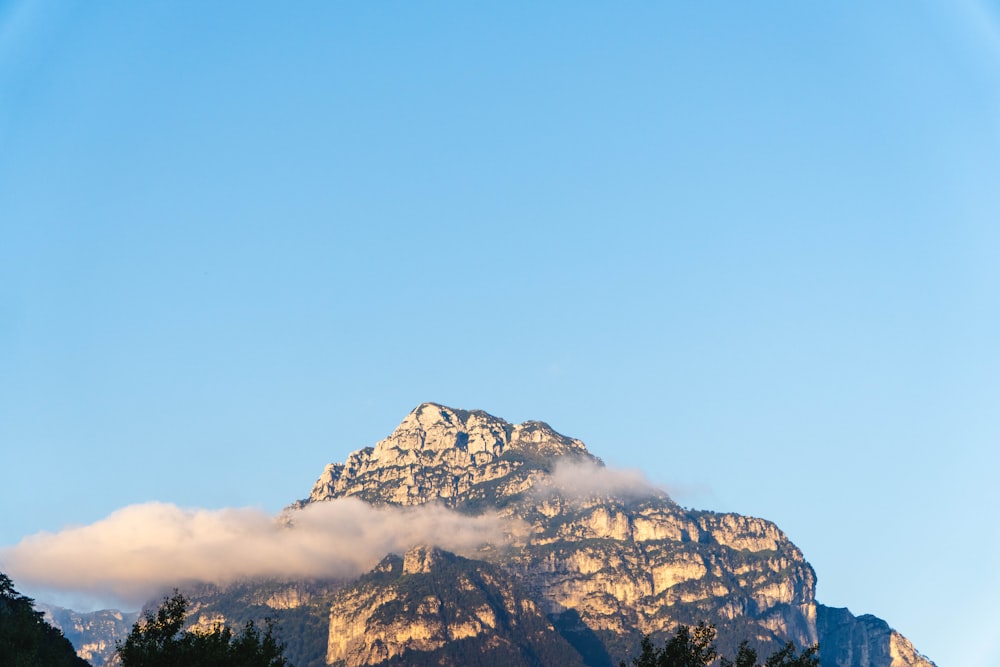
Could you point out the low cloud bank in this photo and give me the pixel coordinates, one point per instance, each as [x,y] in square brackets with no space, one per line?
[577,478]
[141,550]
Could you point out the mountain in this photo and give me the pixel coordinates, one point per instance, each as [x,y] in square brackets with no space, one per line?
[301,610]
[591,559]
[93,634]
[863,640]
[431,607]
[605,559]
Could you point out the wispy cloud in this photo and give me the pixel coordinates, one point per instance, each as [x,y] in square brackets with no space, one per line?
[141,550]
[588,478]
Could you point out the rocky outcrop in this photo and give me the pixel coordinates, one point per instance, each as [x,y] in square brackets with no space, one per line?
[431,607]
[641,567]
[446,455]
[93,634]
[863,641]
[300,610]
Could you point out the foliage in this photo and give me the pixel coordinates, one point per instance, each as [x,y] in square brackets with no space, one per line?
[785,657]
[745,657]
[303,628]
[159,640]
[687,648]
[695,647]
[26,640]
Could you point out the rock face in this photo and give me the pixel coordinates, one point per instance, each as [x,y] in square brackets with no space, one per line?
[605,559]
[431,607]
[864,641]
[93,634]
[301,610]
[437,453]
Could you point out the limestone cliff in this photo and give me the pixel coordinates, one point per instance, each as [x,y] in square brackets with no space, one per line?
[431,607]
[864,641]
[93,634]
[301,610]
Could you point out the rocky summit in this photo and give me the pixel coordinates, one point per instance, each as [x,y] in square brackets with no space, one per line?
[462,458]
[593,560]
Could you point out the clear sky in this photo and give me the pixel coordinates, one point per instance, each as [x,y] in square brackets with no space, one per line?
[750,248]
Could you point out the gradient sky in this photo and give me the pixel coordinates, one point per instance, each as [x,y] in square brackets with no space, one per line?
[750,248]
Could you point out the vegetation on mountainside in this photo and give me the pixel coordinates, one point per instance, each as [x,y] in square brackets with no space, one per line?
[695,647]
[300,611]
[26,640]
[159,640]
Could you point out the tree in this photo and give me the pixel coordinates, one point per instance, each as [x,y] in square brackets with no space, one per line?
[687,648]
[745,657]
[696,648]
[26,640]
[159,640]
[785,657]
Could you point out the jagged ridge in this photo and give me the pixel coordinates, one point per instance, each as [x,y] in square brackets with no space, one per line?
[438,453]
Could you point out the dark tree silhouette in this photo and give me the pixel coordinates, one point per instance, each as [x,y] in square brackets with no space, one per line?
[745,657]
[695,647]
[687,648]
[785,657]
[26,640]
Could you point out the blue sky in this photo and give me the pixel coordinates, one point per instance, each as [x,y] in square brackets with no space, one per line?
[751,250]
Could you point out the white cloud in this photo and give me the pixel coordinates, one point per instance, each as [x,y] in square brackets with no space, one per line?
[141,550]
[587,478]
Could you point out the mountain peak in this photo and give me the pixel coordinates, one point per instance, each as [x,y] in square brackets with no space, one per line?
[431,414]
[440,453]
[433,426]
